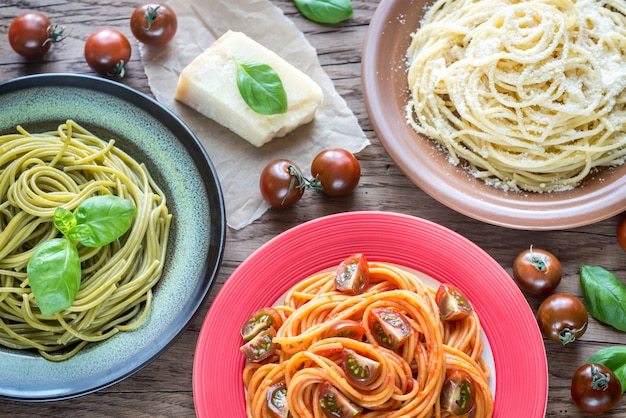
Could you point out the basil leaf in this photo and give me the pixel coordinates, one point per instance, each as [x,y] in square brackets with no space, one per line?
[54,275]
[605,296]
[325,11]
[615,359]
[64,220]
[103,219]
[261,88]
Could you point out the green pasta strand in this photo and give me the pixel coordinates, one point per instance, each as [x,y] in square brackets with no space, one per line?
[42,171]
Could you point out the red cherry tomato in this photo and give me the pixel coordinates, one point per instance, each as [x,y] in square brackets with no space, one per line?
[452,302]
[261,346]
[153,23]
[107,51]
[536,271]
[359,369]
[458,394]
[338,171]
[281,183]
[346,328]
[562,317]
[260,320]
[389,327]
[353,275]
[621,233]
[335,404]
[31,34]
[595,388]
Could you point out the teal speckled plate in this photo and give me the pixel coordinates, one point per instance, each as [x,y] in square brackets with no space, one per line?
[150,133]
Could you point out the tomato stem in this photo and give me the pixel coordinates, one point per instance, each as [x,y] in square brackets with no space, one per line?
[599,380]
[568,335]
[299,181]
[538,261]
[55,34]
[151,15]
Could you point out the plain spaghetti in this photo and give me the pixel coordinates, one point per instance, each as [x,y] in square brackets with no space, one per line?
[529,94]
[366,339]
[42,171]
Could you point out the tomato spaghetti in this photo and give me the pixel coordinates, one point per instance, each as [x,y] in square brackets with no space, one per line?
[316,366]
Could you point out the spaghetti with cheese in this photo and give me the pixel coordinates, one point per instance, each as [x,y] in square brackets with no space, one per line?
[42,171]
[409,378]
[528,94]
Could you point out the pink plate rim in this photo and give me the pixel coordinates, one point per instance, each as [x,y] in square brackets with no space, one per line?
[508,321]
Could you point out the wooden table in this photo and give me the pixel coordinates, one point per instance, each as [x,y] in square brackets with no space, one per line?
[164,388]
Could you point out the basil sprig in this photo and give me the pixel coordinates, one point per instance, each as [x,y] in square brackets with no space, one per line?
[261,88]
[325,11]
[605,296]
[54,270]
[613,358]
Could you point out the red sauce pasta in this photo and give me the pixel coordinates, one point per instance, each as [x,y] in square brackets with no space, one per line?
[398,367]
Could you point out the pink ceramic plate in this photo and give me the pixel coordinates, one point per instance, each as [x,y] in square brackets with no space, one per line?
[521,375]
[386,94]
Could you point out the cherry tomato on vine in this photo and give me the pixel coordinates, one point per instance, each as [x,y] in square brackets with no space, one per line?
[338,170]
[562,317]
[537,271]
[452,302]
[621,233]
[107,51]
[281,183]
[458,394]
[595,388]
[153,23]
[31,34]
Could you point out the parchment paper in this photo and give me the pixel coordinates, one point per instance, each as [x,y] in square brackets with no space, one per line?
[237,162]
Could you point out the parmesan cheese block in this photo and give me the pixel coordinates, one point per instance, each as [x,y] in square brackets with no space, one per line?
[209,85]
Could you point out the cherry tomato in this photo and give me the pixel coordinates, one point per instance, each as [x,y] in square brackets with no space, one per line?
[335,404]
[389,327]
[562,317]
[346,328]
[452,302]
[537,271]
[458,394]
[359,369]
[621,233]
[338,171]
[153,23]
[595,388]
[353,275]
[31,34]
[277,400]
[107,51]
[281,183]
[261,346]
[260,320]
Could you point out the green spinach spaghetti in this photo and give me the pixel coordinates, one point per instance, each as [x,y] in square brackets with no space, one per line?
[40,172]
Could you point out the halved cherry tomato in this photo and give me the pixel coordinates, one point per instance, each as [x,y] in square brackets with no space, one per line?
[107,51]
[335,404]
[389,327]
[261,346]
[595,388]
[277,400]
[452,302]
[353,275]
[153,23]
[359,369]
[346,328]
[260,320]
[281,183]
[621,233]
[338,170]
[537,271]
[31,34]
[458,394]
[562,317]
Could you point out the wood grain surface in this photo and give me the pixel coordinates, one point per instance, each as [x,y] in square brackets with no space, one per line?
[164,387]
